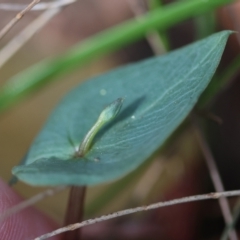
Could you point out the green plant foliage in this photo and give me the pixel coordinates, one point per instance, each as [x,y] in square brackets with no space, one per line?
[158,94]
[42,73]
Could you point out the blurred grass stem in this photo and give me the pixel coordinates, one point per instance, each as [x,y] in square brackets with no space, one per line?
[215,176]
[39,7]
[154,39]
[19,16]
[105,42]
[17,42]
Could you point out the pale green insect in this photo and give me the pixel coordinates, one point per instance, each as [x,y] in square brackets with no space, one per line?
[108,114]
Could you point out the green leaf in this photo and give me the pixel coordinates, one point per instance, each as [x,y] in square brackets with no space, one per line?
[158,94]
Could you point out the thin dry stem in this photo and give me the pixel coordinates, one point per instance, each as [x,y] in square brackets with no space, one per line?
[236,215]
[216,179]
[29,202]
[17,42]
[139,8]
[194,198]
[41,6]
[19,16]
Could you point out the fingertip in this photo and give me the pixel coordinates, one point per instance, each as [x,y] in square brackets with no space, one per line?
[27,224]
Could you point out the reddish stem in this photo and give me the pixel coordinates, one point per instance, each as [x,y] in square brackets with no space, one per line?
[74,211]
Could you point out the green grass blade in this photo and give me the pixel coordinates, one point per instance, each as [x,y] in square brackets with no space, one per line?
[107,41]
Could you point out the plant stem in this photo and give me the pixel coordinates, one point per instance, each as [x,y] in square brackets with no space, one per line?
[107,41]
[162,35]
[19,16]
[74,211]
[20,39]
[230,226]
[195,198]
[215,176]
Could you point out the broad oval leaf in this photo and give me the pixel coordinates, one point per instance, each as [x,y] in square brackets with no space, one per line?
[158,94]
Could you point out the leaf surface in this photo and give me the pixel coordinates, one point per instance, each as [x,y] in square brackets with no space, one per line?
[158,94]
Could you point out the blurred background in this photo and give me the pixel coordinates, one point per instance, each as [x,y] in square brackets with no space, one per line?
[178,170]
